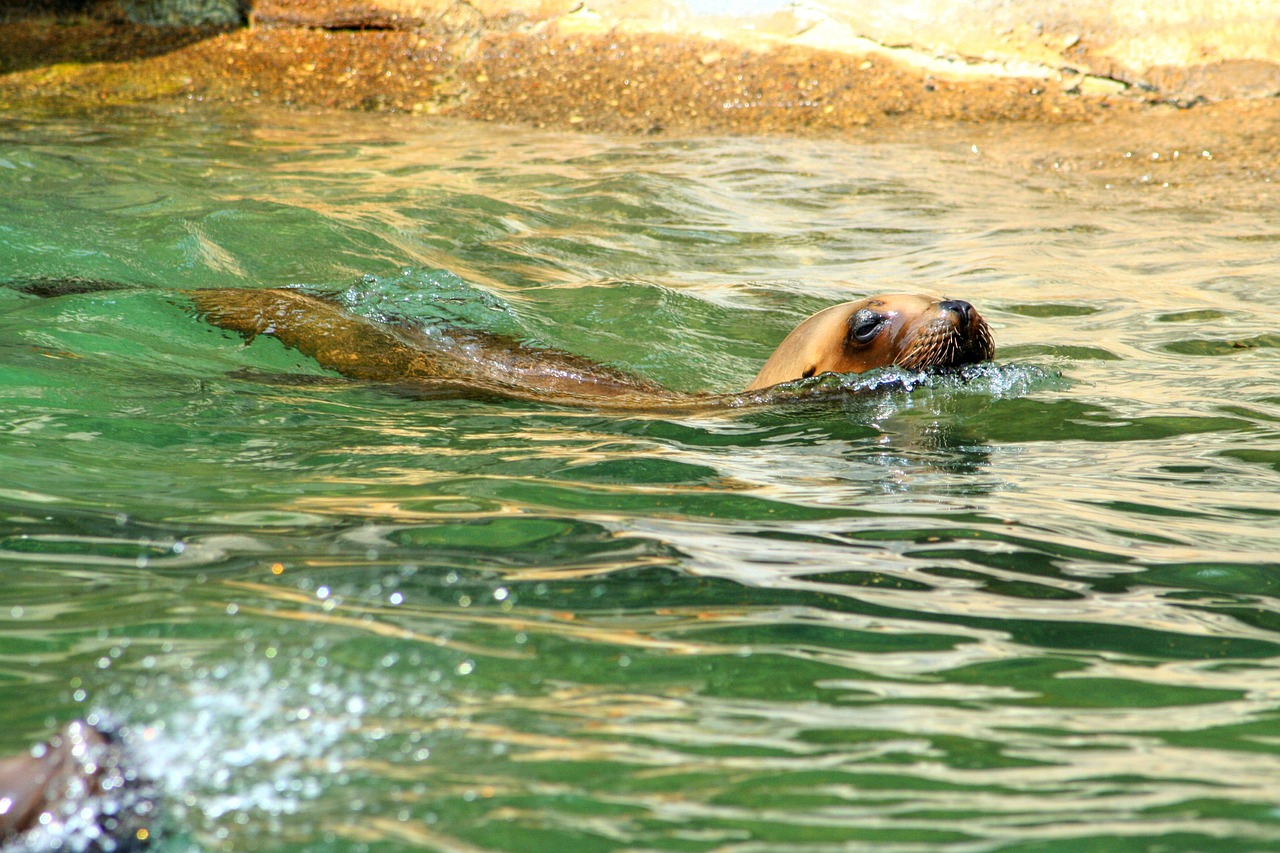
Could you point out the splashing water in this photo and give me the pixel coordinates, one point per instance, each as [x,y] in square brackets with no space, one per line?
[429,297]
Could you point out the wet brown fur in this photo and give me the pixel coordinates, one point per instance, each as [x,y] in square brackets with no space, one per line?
[461,362]
[919,333]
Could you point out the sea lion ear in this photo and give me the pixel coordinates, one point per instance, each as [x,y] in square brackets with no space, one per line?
[809,371]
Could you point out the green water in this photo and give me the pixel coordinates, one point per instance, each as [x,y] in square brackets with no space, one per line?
[1026,613]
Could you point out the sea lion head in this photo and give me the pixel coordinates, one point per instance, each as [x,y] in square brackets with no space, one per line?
[908,330]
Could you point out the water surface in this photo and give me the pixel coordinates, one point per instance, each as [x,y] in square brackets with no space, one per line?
[1034,611]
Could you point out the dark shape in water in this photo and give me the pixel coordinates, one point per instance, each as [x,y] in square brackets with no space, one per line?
[76,792]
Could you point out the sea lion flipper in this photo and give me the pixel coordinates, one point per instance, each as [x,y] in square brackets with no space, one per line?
[23,781]
[75,773]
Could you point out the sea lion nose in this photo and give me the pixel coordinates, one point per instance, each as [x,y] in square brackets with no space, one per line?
[962,308]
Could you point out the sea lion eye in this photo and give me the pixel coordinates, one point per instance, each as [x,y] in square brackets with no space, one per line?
[865,325]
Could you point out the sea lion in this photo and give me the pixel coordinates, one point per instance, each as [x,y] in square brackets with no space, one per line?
[63,787]
[904,330]
[911,331]
[915,332]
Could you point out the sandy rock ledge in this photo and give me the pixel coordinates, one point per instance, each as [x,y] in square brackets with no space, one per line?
[655,66]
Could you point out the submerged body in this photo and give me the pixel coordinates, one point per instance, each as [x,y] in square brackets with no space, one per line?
[910,331]
[78,784]
[444,362]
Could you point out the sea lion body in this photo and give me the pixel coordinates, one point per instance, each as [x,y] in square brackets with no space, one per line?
[911,331]
[438,361]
